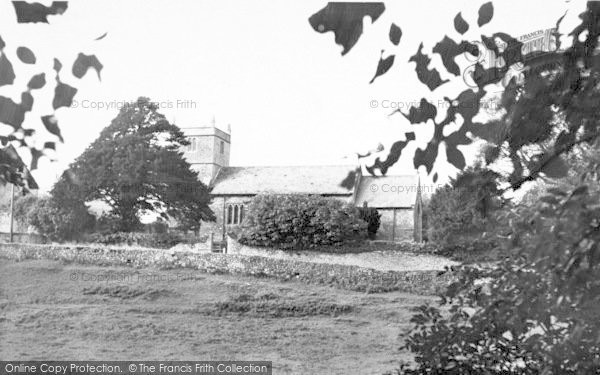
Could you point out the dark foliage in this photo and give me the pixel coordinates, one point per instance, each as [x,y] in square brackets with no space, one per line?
[300,222]
[135,166]
[373,219]
[464,208]
[57,221]
[345,20]
[535,311]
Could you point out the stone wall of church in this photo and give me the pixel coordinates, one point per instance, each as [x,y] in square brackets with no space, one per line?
[219,206]
[392,228]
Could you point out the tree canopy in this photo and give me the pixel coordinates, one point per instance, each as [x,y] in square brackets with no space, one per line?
[542,118]
[536,310]
[136,166]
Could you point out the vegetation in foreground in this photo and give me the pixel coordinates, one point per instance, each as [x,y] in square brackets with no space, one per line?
[535,310]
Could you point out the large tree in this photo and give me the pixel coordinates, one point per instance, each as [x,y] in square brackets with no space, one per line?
[136,166]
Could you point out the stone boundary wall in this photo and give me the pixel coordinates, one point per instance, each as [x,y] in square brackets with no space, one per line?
[340,276]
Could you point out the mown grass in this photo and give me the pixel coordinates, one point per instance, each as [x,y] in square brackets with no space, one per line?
[47,313]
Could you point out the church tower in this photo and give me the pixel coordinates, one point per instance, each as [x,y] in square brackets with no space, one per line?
[208,150]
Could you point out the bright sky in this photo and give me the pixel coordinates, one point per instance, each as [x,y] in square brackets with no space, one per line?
[289,95]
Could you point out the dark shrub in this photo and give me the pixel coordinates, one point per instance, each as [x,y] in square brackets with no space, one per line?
[300,222]
[107,224]
[373,219]
[463,209]
[58,222]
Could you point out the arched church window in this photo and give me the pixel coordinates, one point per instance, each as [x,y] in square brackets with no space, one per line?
[222,147]
[235,214]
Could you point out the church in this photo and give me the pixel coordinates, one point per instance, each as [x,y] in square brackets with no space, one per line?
[397,198]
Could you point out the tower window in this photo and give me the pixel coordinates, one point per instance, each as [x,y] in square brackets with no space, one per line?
[222,147]
[193,145]
[235,214]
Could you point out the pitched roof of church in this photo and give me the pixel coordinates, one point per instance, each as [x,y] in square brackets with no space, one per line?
[326,180]
[387,191]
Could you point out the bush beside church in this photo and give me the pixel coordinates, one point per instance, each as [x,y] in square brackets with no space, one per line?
[301,222]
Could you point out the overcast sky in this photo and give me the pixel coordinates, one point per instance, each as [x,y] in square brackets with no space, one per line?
[289,95]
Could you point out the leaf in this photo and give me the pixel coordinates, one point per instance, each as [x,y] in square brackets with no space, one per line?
[395,34]
[36,12]
[431,78]
[7,74]
[486,12]
[467,104]
[556,34]
[460,24]
[50,145]
[448,50]
[483,77]
[549,199]
[35,156]
[101,36]
[555,168]
[83,63]
[63,95]
[491,153]
[26,101]
[435,177]
[491,131]
[57,65]
[427,156]
[51,124]
[426,111]
[349,181]
[564,137]
[579,190]
[557,191]
[393,156]
[11,113]
[455,157]
[345,20]
[383,66]
[26,55]
[37,81]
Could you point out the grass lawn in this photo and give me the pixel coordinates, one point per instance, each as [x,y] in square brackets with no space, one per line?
[54,311]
